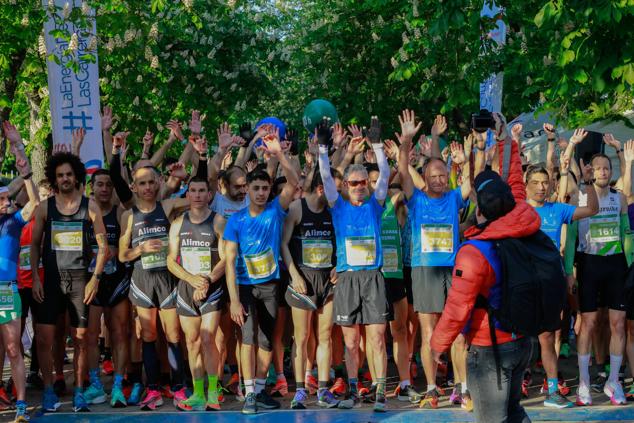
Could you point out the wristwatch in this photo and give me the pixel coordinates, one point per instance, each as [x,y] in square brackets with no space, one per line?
[98,276]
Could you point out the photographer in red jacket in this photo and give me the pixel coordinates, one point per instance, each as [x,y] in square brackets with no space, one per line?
[501,213]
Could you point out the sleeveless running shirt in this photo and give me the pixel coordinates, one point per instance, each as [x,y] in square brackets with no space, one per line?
[147,226]
[601,234]
[312,243]
[196,243]
[66,241]
[113,232]
[391,242]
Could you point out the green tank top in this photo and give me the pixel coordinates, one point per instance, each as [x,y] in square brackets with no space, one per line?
[391,243]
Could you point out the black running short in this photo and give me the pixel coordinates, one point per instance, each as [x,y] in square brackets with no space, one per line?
[318,289]
[601,282]
[360,298]
[260,303]
[282,285]
[64,291]
[153,289]
[215,301]
[407,278]
[112,289]
[28,303]
[395,289]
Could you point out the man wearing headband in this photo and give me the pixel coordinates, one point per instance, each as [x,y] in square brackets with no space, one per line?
[11,225]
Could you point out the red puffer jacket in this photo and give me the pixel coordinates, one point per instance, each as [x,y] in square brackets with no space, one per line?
[472,273]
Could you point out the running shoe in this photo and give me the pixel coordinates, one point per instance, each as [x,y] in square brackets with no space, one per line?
[380,405]
[614,391]
[264,400]
[407,394]
[152,400]
[351,401]
[556,400]
[311,384]
[79,402]
[179,396]
[564,350]
[107,368]
[59,386]
[234,384]
[367,376]
[11,390]
[430,401]
[4,396]
[583,396]
[21,413]
[339,387]
[166,391]
[117,398]
[299,399]
[629,395]
[562,388]
[326,399]
[220,391]
[193,403]
[467,402]
[598,383]
[280,389]
[34,381]
[456,397]
[50,401]
[240,394]
[250,404]
[95,394]
[369,396]
[135,394]
[213,399]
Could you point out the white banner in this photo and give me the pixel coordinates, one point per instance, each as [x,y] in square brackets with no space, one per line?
[491,89]
[74,96]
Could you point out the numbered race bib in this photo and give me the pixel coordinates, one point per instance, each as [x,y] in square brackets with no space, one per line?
[436,238]
[66,236]
[317,253]
[111,264]
[196,260]
[25,257]
[6,296]
[260,265]
[604,231]
[390,259]
[155,260]
[361,250]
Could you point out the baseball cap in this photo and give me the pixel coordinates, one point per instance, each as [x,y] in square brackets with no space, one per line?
[494,196]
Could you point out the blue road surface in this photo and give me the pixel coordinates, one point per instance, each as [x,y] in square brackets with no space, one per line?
[624,413]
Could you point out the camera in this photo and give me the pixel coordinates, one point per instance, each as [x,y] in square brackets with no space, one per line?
[482,121]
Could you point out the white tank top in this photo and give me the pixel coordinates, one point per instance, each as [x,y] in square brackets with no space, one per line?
[601,234]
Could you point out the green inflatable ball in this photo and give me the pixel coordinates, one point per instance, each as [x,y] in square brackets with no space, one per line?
[315,111]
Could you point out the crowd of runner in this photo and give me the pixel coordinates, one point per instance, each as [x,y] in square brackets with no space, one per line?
[200,278]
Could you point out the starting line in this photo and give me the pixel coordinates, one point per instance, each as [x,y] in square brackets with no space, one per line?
[624,413]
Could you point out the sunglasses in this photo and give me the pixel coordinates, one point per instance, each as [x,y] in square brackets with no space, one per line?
[362,183]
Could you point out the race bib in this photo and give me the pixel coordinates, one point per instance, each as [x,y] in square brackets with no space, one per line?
[360,250]
[66,236]
[111,264]
[604,231]
[317,253]
[436,238]
[25,257]
[196,260]
[390,259]
[260,265]
[6,296]
[155,260]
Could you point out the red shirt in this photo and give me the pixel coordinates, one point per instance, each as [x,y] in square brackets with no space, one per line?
[25,276]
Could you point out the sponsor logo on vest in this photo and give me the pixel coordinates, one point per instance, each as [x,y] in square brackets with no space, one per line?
[311,233]
[153,230]
[194,243]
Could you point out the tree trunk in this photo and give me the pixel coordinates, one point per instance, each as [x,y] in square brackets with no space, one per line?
[39,152]
[10,85]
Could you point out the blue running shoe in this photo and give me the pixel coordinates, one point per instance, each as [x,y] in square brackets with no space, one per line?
[21,413]
[299,399]
[136,394]
[79,402]
[50,401]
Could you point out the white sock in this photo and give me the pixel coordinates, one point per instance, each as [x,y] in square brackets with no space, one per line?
[249,386]
[463,387]
[260,384]
[307,374]
[431,387]
[405,384]
[615,366]
[584,363]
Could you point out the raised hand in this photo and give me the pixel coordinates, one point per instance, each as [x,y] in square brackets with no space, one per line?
[408,125]
[323,131]
[425,145]
[586,170]
[245,131]
[356,145]
[176,129]
[564,163]
[22,164]
[177,170]
[225,139]
[238,141]
[374,133]
[549,128]
[391,149]
[369,156]
[106,118]
[148,140]
[309,158]
[468,144]
[562,143]
[78,140]
[119,139]
[251,165]
[500,125]
[516,131]
[199,144]
[339,135]
[439,126]
[628,151]
[313,146]
[609,139]
[457,153]
[195,124]
[578,136]
[355,131]
[272,143]
[11,133]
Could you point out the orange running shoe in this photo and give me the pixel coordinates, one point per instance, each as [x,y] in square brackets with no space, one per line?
[339,387]
[280,389]
[310,382]
[107,368]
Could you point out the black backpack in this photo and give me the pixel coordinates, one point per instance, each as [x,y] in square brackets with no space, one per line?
[530,289]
